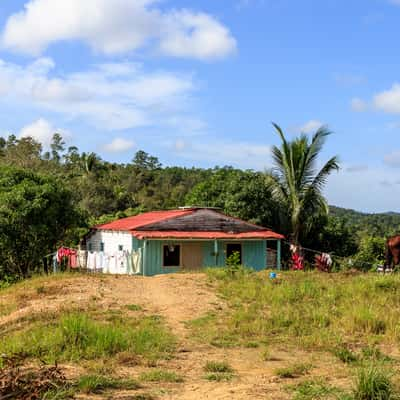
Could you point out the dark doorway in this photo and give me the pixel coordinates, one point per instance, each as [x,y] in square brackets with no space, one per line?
[234,248]
[172,255]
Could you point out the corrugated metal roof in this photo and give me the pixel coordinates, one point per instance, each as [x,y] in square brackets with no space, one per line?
[267,234]
[131,223]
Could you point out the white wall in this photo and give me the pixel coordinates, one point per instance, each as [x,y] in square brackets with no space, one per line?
[111,240]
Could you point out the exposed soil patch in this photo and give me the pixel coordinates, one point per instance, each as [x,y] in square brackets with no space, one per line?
[177,298]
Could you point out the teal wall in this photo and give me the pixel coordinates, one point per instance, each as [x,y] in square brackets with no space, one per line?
[254,255]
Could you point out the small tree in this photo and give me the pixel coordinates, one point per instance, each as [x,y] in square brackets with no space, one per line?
[35,213]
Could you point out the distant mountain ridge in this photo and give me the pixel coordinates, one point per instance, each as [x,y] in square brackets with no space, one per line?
[378,224]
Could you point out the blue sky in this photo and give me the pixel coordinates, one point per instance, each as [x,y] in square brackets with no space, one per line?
[198,82]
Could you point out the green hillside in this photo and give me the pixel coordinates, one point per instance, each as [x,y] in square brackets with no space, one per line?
[379,224]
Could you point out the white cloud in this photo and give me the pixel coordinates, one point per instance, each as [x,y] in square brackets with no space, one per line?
[119,145]
[373,190]
[311,126]
[393,159]
[358,105]
[117,26]
[109,96]
[219,152]
[389,100]
[196,35]
[42,131]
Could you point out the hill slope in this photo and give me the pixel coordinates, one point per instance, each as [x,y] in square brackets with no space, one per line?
[379,224]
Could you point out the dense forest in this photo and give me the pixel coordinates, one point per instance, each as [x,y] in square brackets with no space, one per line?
[52,197]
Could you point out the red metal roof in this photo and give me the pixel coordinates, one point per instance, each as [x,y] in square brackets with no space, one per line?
[131,223]
[206,235]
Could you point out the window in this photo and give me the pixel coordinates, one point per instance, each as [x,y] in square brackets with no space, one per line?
[101,246]
[120,247]
[171,255]
[90,246]
[234,248]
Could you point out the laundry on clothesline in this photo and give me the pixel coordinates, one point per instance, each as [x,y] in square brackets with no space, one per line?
[323,262]
[70,255]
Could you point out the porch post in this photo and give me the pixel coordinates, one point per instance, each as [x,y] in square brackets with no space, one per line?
[144,258]
[278,255]
[216,252]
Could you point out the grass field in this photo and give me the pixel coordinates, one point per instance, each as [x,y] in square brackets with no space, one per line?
[302,336]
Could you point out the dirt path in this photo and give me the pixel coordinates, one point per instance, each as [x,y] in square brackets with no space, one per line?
[178,298]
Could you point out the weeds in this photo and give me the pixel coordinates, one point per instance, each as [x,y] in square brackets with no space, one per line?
[373,383]
[218,371]
[310,310]
[98,384]
[78,336]
[316,390]
[160,375]
[134,307]
[345,355]
[293,371]
[218,367]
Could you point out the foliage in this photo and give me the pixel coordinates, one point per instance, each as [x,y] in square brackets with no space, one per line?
[379,224]
[371,253]
[85,190]
[233,261]
[296,186]
[36,212]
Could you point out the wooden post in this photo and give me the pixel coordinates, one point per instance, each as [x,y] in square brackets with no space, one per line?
[266,254]
[278,255]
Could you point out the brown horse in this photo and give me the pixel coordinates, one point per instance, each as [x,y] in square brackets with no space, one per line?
[392,252]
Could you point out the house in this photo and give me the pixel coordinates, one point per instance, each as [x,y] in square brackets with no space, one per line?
[189,238]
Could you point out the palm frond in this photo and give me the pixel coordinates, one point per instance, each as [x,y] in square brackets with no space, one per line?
[322,176]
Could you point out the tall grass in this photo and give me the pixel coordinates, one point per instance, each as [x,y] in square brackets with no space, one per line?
[312,309]
[78,336]
[374,383]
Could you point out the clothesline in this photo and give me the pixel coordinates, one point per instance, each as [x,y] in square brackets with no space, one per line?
[321,253]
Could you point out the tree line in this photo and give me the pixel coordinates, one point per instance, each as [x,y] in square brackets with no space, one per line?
[51,197]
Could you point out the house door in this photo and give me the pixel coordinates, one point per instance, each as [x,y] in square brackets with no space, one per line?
[192,255]
[234,248]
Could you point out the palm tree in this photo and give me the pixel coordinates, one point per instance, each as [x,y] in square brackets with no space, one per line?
[295,182]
